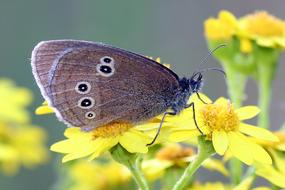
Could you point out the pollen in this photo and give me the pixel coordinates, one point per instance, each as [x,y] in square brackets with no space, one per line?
[220,117]
[174,152]
[112,129]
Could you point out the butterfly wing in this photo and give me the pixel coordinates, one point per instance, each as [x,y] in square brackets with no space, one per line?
[91,84]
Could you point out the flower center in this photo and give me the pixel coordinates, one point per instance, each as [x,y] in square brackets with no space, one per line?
[174,152]
[112,129]
[220,117]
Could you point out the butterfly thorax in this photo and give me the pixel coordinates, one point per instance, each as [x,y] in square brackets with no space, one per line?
[188,86]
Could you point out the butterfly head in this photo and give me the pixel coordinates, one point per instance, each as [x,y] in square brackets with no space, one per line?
[196,82]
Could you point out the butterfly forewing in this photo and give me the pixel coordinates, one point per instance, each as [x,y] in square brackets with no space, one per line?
[121,86]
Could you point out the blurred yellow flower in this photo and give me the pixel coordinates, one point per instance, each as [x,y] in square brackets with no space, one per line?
[96,176]
[81,144]
[265,29]
[260,27]
[13,102]
[223,125]
[274,173]
[175,155]
[222,28]
[20,142]
[209,186]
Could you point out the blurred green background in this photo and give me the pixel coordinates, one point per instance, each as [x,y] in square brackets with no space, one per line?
[172,30]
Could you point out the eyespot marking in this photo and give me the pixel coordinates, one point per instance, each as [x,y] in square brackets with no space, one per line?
[105,70]
[90,115]
[107,60]
[86,102]
[83,87]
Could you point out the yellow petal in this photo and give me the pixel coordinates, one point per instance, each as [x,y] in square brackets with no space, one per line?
[245,184]
[153,169]
[182,135]
[220,141]
[247,112]
[240,149]
[44,110]
[135,141]
[75,132]
[279,160]
[222,101]
[272,175]
[258,153]
[102,145]
[257,132]
[65,146]
[216,165]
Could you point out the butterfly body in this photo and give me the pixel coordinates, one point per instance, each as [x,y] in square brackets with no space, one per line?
[92,84]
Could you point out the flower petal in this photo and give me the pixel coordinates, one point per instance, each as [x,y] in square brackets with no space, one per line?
[134,141]
[220,141]
[102,145]
[241,146]
[222,101]
[182,135]
[75,132]
[240,149]
[257,132]
[216,165]
[272,175]
[247,112]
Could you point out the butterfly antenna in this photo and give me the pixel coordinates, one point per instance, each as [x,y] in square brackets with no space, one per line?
[213,69]
[210,53]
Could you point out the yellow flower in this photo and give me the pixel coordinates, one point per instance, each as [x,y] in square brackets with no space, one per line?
[13,102]
[224,126]
[274,173]
[222,28]
[95,175]
[175,155]
[81,144]
[20,142]
[22,145]
[264,28]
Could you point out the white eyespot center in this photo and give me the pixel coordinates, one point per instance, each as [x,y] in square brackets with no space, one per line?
[83,87]
[86,102]
[90,115]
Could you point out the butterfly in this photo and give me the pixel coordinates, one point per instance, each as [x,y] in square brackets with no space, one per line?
[91,84]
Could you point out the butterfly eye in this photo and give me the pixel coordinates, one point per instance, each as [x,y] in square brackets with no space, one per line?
[90,115]
[86,102]
[83,87]
[106,59]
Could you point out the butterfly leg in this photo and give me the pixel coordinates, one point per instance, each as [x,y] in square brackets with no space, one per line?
[194,116]
[160,125]
[201,98]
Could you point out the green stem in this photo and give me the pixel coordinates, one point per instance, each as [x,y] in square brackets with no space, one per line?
[264,80]
[138,175]
[205,150]
[236,83]
[132,162]
[267,61]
